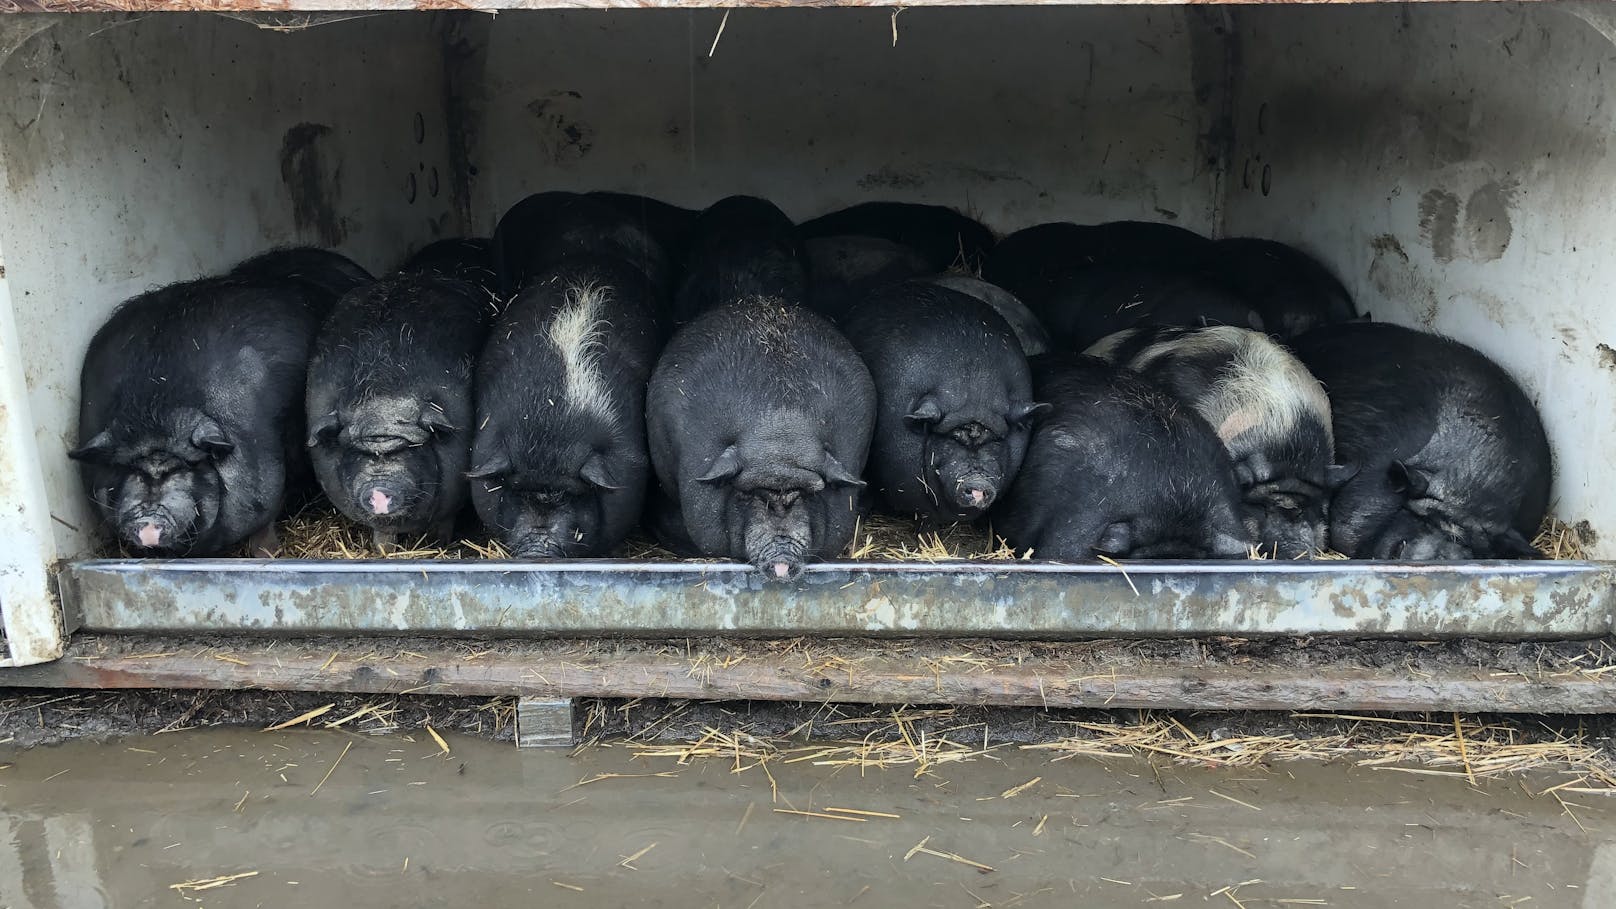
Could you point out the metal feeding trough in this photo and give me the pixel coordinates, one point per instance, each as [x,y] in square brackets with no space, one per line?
[1437,157]
[1499,600]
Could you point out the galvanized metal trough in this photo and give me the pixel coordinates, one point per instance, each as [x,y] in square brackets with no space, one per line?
[1022,600]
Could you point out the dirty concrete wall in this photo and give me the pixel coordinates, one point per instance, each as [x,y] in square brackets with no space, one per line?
[1451,164]
[1018,115]
[139,151]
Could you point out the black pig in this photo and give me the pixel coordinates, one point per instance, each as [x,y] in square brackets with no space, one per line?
[942,235]
[1453,461]
[1270,412]
[669,225]
[559,465]
[742,248]
[1120,469]
[191,413]
[331,273]
[539,232]
[1029,331]
[1087,282]
[1290,289]
[954,400]
[842,271]
[469,259]
[389,403]
[1030,262]
[759,415]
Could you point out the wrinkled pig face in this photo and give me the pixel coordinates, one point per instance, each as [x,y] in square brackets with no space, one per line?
[381,480]
[775,513]
[777,524]
[381,466]
[1288,520]
[544,514]
[1425,529]
[159,494]
[967,460]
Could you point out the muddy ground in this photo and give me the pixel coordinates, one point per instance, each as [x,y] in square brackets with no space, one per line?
[30,718]
[227,818]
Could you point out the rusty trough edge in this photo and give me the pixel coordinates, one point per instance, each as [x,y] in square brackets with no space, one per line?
[835,671]
[1020,600]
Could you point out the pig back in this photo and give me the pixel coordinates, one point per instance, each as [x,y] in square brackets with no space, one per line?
[749,366]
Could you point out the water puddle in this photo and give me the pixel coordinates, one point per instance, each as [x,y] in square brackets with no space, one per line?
[324,819]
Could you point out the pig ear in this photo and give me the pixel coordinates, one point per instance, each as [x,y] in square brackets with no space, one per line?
[1410,481]
[926,413]
[1244,475]
[1025,412]
[1337,475]
[96,451]
[595,473]
[492,466]
[209,436]
[725,466]
[1116,539]
[322,429]
[1511,545]
[435,421]
[837,475]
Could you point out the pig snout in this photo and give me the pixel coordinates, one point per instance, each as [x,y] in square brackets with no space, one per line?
[979,494]
[148,531]
[781,560]
[543,547]
[380,501]
[974,493]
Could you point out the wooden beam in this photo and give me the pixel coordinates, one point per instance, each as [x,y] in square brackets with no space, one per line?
[845,671]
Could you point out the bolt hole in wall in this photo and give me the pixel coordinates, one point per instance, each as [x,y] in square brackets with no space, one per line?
[1435,159]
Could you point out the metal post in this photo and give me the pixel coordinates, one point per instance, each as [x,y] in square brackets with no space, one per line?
[544,722]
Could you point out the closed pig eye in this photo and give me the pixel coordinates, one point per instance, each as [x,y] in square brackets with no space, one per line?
[973,435]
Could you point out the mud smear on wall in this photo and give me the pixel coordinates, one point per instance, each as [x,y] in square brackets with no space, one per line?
[563,135]
[312,173]
[1478,230]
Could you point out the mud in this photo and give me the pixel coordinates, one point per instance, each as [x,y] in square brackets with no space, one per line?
[1534,659]
[245,819]
[32,718]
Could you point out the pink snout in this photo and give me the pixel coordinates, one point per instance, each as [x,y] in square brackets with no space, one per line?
[782,570]
[150,535]
[380,502]
[978,497]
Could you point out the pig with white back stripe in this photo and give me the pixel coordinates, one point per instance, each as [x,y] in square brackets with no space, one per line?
[559,465]
[1270,412]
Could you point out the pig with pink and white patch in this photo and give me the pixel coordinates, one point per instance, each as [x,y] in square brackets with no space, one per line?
[1270,412]
[390,403]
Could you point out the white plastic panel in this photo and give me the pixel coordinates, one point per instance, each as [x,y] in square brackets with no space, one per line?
[137,152]
[29,618]
[1016,115]
[1453,164]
